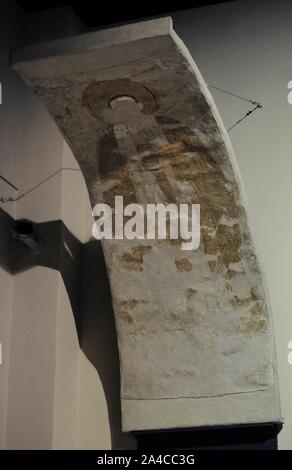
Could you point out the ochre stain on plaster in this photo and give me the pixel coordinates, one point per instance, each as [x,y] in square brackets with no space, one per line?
[240,302]
[151,162]
[124,187]
[166,120]
[166,186]
[171,164]
[212,265]
[129,305]
[111,162]
[160,150]
[133,258]
[225,244]
[126,308]
[250,324]
[183,265]
[191,162]
[190,293]
[230,273]
[258,308]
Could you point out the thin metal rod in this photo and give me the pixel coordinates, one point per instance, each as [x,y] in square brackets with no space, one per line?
[10,199]
[235,95]
[244,117]
[8,182]
[257,104]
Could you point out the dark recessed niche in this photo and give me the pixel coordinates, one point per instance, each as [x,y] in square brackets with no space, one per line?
[261,436]
[95,14]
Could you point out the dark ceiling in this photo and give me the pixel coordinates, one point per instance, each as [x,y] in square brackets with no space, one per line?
[99,13]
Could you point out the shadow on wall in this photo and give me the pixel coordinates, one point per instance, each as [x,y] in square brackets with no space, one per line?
[83,270]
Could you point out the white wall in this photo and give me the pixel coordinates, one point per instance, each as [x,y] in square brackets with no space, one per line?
[51,397]
[9,36]
[245,47]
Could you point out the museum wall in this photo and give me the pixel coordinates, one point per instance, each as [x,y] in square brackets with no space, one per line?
[50,394]
[9,34]
[59,380]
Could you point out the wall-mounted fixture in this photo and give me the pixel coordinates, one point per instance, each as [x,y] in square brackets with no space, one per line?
[24,230]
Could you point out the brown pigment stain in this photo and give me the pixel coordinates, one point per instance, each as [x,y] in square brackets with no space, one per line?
[238,302]
[151,162]
[166,120]
[183,265]
[231,273]
[129,305]
[126,308]
[125,188]
[167,187]
[164,172]
[176,242]
[171,148]
[110,160]
[208,185]
[133,259]
[210,189]
[258,308]
[161,151]
[205,176]
[182,134]
[212,265]
[250,324]
[128,317]
[225,244]
[190,293]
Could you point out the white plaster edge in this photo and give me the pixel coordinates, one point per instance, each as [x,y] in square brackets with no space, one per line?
[101,39]
[246,408]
